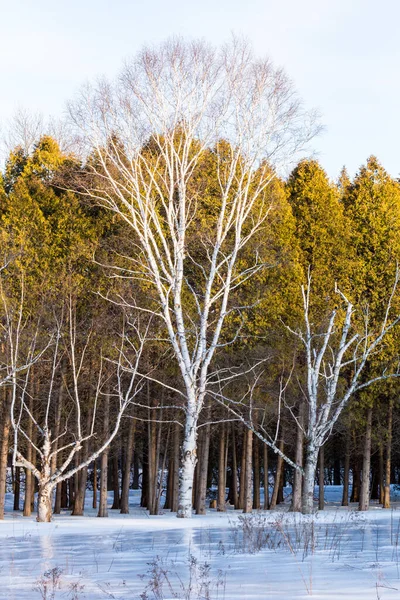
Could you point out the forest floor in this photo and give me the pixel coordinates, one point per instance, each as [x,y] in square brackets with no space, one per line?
[337,553]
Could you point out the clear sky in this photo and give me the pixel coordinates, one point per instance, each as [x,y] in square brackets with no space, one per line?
[343,56]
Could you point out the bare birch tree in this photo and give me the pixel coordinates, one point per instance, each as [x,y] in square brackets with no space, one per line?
[337,360]
[150,132]
[331,354]
[17,356]
[26,128]
[57,454]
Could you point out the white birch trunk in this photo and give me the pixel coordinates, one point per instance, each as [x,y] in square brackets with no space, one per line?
[310,468]
[44,510]
[189,459]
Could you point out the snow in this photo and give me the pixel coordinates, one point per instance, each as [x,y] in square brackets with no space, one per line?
[334,554]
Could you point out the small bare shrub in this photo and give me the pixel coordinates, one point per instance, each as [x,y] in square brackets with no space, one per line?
[164,581]
[51,581]
[48,583]
[252,533]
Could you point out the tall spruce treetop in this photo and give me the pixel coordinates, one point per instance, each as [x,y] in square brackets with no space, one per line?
[322,229]
[372,203]
[52,232]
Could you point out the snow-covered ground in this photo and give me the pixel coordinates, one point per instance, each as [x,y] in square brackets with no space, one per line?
[337,553]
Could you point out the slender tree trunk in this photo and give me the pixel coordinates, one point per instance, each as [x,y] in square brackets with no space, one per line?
[12,473]
[64,494]
[278,475]
[280,498]
[203,470]
[151,443]
[169,500]
[79,501]
[242,477]
[94,503]
[145,474]
[103,509]
[127,471]
[154,443]
[115,478]
[28,489]
[56,457]
[76,479]
[221,507]
[356,471]
[175,496]
[375,477]
[158,477]
[163,465]
[297,475]
[337,466]
[366,468]
[266,480]
[321,480]
[198,468]
[355,492]
[195,478]
[170,474]
[17,487]
[388,463]
[58,499]
[235,497]
[34,486]
[80,493]
[381,476]
[248,501]
[71,492]
[136,474]
[28,474]
[4,449]
[226,458]
[256,479]
[346,473]
[156,451]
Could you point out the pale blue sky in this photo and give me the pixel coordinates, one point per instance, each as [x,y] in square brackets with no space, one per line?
[343,55]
